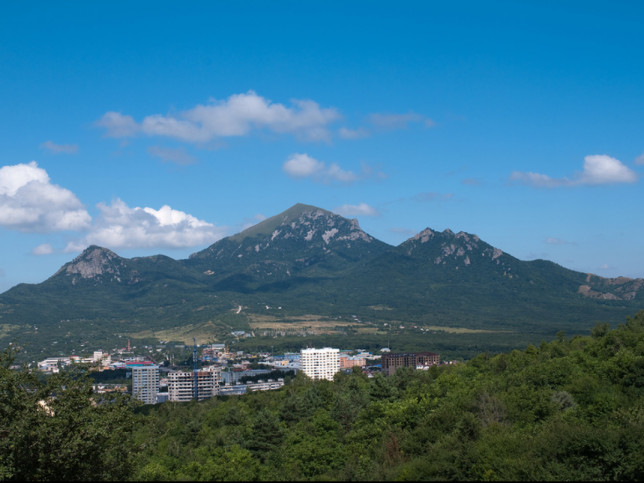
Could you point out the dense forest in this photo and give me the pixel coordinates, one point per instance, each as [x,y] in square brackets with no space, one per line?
[569,409]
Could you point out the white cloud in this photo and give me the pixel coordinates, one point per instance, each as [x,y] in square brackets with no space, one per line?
[598,169]
[363,209]
[301,165]
[44,249]
[304,166]
[118,125]
[29,202]
[120,226]
[359,133]
[334,172]
[236,116]
[398,121]
[59,148]
[178,156]
[602,169]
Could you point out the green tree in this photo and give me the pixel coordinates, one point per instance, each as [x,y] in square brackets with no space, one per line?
[60,429]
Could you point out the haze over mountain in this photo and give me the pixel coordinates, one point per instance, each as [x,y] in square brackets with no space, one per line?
[307,260]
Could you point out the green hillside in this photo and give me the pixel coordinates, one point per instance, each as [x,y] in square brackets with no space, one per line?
[571,409]
[310,262]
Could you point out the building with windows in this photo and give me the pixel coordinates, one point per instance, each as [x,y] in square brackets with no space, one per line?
[419,360]
[181,384]
[53,364]
[320,363]
[347,362]
[145,382]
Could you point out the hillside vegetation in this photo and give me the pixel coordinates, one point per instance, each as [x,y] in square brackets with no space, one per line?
[570,409]
[309,261]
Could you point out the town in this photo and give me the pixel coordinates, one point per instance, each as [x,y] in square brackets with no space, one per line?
[217,371]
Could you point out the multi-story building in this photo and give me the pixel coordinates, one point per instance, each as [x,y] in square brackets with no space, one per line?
[145,382]
[418,360]
[181,385]
[347,362]
[320,363]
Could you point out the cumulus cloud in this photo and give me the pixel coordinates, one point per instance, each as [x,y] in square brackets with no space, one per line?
[117,125]
[399,121]
[640,159]
[59,148]
[300,165]
[120,226]
[238,115]
[363,209]
[44,249]
[30,202]
[168,155]
[598,169]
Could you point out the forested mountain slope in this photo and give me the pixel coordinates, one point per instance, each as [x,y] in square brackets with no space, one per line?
[571,409]
[310,262]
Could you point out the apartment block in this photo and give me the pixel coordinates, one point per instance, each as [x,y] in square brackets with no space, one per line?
[145,382]
[320,363]
[419,360]
[347,362]
[181,384]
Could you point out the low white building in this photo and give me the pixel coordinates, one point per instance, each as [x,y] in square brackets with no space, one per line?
[53,364]
[320,363]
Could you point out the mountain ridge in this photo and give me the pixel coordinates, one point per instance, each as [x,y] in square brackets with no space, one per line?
[312,261]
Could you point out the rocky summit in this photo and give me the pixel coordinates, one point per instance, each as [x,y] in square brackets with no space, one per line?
[314,263]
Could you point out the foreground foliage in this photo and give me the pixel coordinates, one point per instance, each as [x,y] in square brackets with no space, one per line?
[570,409]
[59,429]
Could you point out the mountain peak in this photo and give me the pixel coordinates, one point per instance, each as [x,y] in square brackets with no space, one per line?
[92,262]
[297,240]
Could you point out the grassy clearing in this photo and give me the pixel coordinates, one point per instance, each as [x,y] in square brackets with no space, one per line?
[203,333]
[463,330]
[308,321]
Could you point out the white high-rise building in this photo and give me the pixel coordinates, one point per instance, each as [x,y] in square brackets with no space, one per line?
[320,363]
[181,384]
[145,383]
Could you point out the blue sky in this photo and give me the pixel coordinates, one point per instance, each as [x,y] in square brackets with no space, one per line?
[159,127]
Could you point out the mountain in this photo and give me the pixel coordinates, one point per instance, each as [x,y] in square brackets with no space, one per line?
[303,241]
[311,263]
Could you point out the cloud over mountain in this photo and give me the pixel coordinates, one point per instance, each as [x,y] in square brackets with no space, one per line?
[30,202]
[120,226]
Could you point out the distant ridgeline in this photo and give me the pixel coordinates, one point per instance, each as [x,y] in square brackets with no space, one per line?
[310,266]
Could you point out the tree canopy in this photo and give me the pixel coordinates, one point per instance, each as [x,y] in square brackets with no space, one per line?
[569,409]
